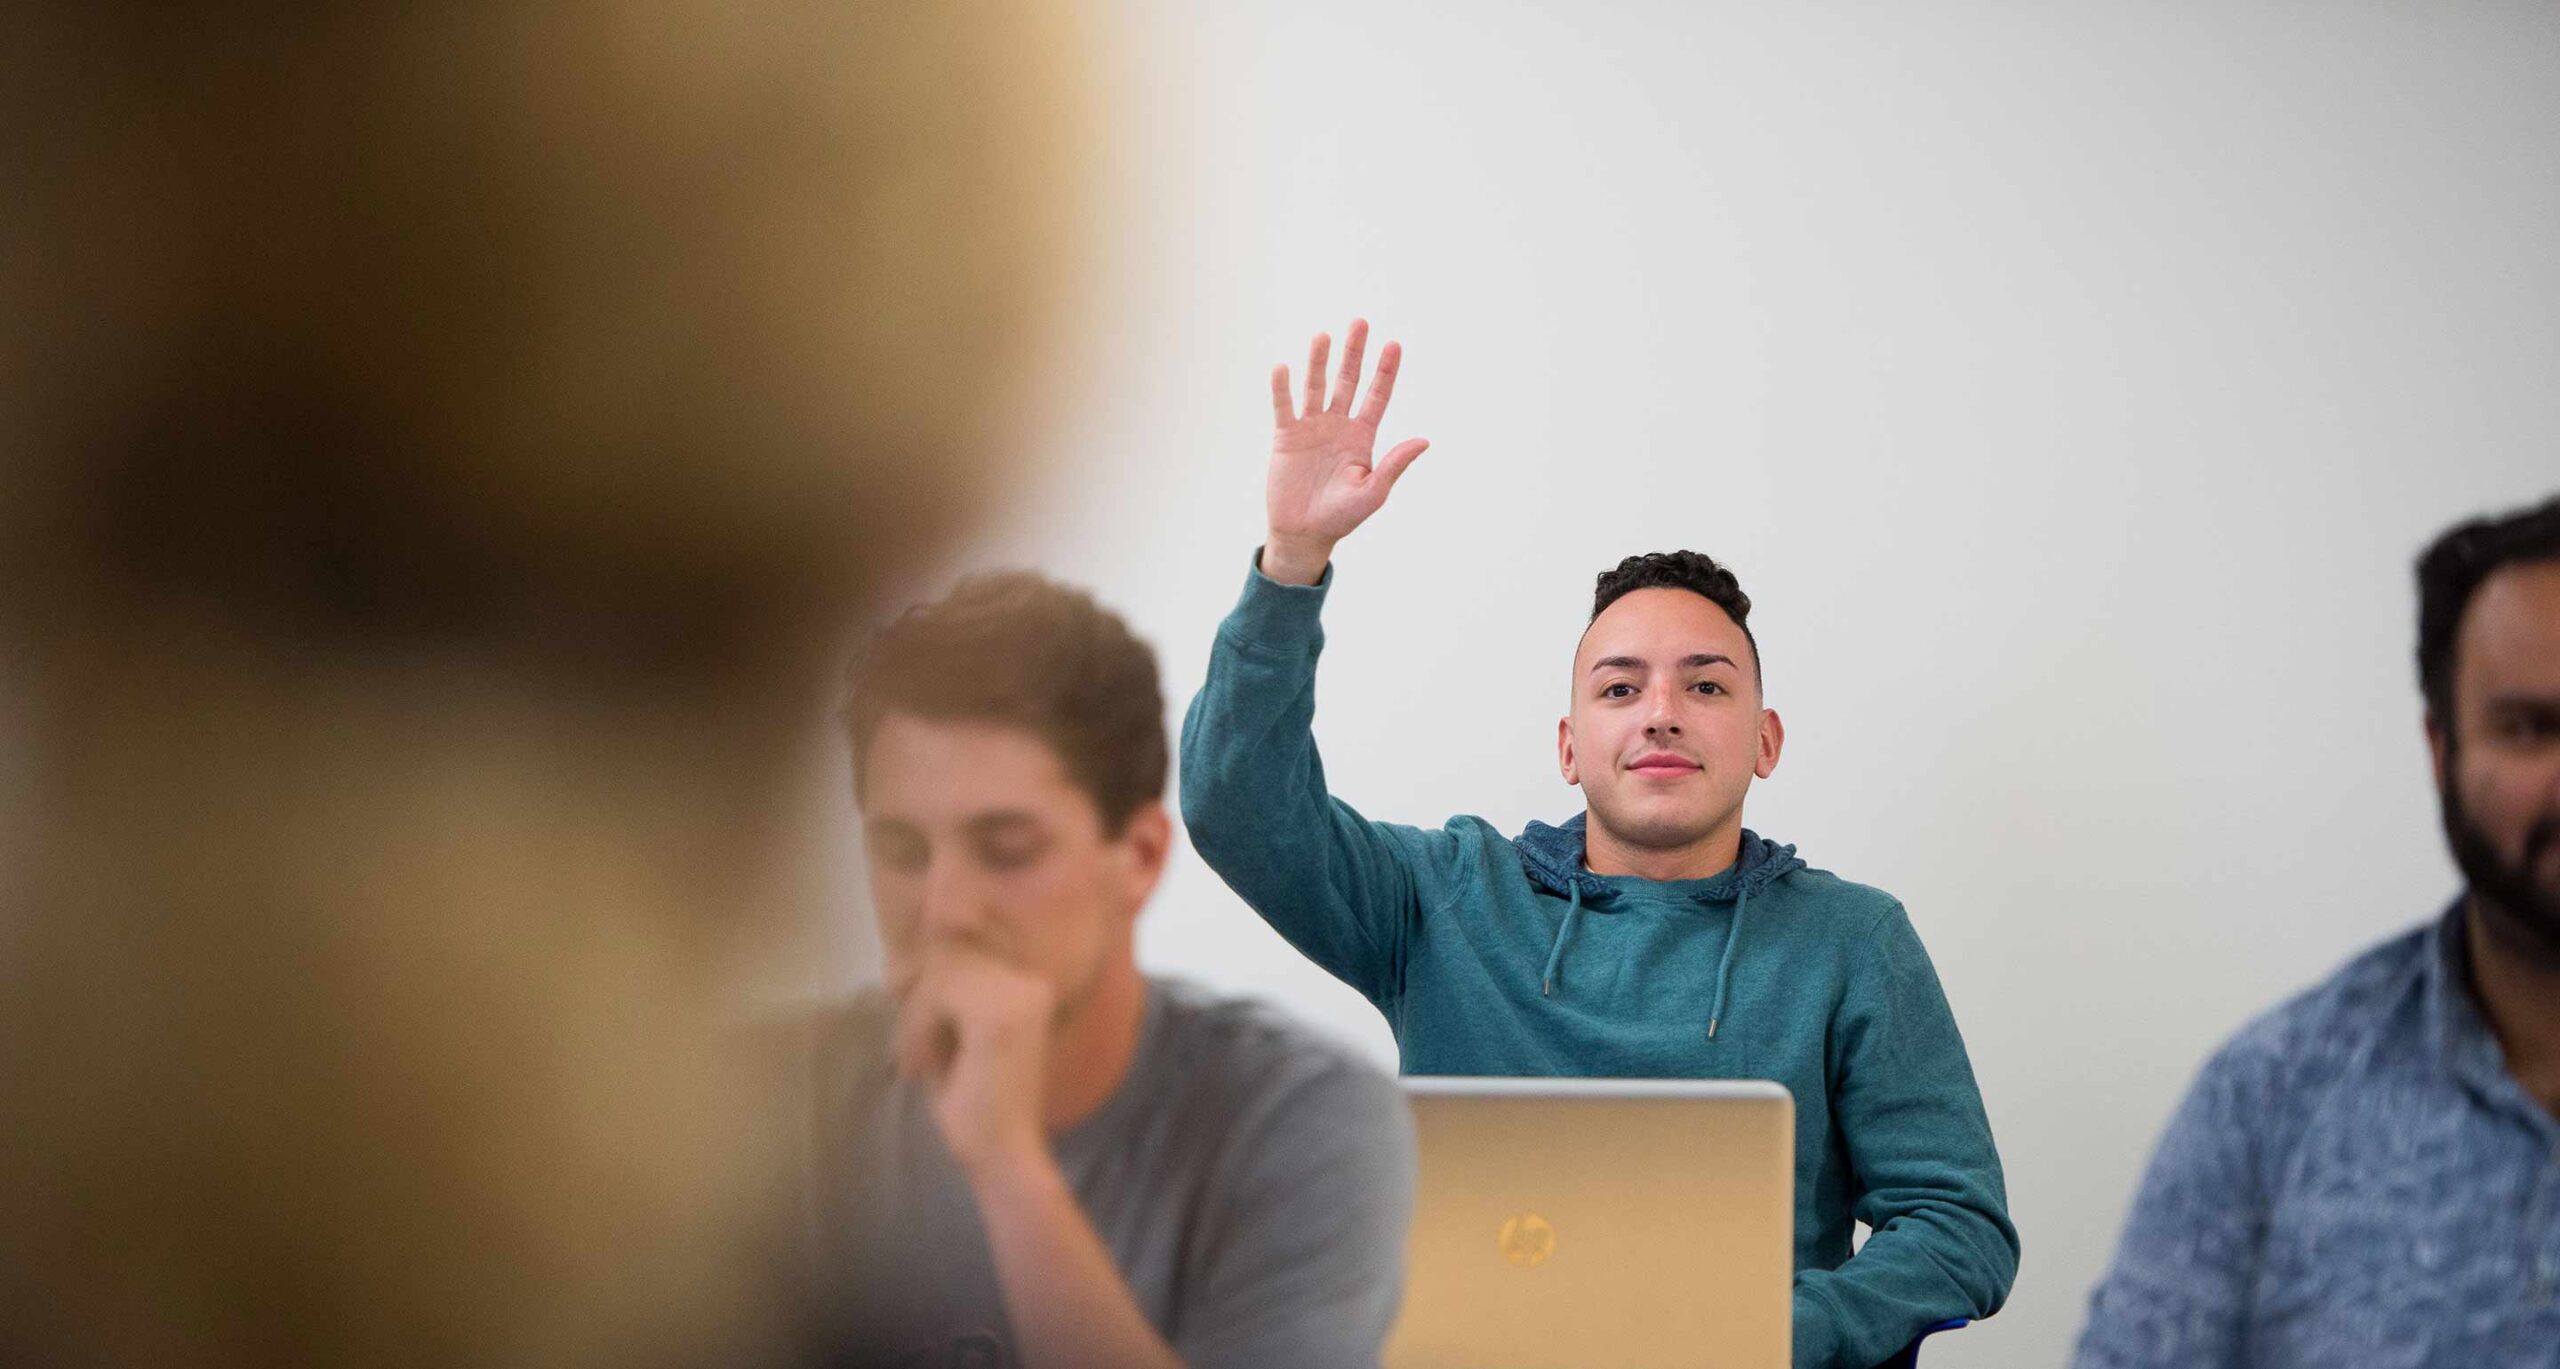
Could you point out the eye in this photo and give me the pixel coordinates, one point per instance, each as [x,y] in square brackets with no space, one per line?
[1620,690]
[1005,855]
[1708,687]
[2532,725]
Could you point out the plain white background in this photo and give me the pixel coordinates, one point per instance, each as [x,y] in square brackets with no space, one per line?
[2070,385]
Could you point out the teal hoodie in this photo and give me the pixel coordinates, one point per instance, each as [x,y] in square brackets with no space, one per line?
[1506,956]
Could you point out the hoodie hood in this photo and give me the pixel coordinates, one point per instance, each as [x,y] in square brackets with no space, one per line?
[1552,858]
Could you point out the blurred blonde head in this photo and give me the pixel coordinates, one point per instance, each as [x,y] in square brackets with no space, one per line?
[442,450]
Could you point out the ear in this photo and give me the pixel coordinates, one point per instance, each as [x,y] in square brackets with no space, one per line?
[1145,845]
[1564,751]
[2436,741]
[1773,738]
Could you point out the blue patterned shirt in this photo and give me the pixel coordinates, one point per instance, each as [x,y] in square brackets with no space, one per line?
[2355,1180]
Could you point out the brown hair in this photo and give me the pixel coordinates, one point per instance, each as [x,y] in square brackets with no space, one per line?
[1022,650]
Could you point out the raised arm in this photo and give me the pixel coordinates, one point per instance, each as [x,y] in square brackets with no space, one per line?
[1339,887]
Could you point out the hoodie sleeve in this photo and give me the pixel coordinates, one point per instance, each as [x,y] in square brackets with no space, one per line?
[1339,887]
[1940,1243]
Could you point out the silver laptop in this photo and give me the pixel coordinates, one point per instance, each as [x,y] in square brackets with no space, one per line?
[1599,1224]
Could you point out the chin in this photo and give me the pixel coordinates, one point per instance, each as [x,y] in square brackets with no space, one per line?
[1658,831]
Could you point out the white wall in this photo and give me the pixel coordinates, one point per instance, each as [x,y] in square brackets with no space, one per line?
[2071,386]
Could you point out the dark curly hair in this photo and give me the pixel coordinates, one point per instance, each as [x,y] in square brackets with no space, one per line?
[1019,649]
[2451,571]
[1694,571]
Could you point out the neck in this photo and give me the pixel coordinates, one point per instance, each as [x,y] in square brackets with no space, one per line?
[1090,1052]
[1603,853]
[2519,995]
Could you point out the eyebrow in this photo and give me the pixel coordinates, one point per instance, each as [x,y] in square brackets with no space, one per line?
[1693,661]
[978,824]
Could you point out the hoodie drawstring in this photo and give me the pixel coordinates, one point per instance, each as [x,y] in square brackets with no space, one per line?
[1555,958]
[1724,967]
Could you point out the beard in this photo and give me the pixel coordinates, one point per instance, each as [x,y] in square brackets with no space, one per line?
[2523,913]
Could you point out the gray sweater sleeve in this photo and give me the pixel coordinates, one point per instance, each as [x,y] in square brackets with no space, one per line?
[1304,1253]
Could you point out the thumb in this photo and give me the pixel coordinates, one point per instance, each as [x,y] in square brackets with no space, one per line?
[1391,466]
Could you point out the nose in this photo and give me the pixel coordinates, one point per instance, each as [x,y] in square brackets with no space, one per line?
[1663,721]
[951,902]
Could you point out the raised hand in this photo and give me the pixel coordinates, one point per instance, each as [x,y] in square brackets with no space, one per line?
[1324,481]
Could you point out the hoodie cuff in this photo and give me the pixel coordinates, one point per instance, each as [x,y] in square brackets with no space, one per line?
[1276,615]
[1814,1336]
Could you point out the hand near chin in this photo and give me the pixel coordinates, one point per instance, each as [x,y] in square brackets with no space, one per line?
[1325,480]
[974,1030]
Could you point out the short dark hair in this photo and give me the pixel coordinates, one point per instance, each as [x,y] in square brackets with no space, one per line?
[1694,571]
[2451,571]
[1019,649]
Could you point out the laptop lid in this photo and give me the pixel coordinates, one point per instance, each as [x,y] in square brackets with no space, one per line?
[1599,1224]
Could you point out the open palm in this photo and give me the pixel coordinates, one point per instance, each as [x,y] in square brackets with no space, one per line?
[1324,480]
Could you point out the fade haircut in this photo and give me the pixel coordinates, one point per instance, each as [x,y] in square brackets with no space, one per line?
[1021,650]
[1694,571]
[2452,570]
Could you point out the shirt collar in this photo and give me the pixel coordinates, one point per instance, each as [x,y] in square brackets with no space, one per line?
[2457,1034]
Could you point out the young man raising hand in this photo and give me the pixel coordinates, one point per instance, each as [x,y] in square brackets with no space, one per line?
[1652,936]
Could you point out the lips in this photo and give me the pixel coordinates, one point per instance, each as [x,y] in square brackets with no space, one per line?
[1663,765]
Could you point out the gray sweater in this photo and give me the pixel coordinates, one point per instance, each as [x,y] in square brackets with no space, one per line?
[1253,1182]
